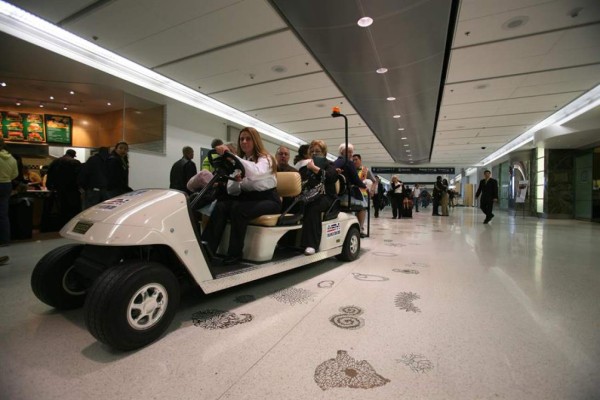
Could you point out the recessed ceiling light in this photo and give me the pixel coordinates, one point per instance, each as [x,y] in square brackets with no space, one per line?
[108,104]
[65,108]
[408,151]
[391,98]
[51,97]
[403,138]
[365,21]
[279,69]
[3,84]
[515,22]
[71,92]
[18,103]
[397,116]
[381,70]
[41,106]
[406,145]
[400,129]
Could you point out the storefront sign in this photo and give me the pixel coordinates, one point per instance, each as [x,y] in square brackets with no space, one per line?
[22,127]
[58,129]
[415,170]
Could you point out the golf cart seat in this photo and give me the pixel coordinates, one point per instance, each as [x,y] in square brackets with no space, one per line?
[289,184]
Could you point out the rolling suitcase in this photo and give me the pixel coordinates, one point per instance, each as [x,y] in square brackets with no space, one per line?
[407,207]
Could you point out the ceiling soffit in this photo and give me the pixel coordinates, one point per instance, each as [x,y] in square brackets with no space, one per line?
[351,55]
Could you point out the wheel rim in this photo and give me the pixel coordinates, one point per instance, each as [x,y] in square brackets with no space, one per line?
[71,283]
[147,306]
[354,243]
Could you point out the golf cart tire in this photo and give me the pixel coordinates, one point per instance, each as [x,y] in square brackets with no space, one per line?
[132,304]
[351,247]
[51,281]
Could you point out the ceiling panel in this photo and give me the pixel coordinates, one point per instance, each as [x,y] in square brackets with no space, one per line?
[270,57]
[131,23]
[490,20]
[152,37]
[301,111]
[324,122]
[288,91]
[53,11]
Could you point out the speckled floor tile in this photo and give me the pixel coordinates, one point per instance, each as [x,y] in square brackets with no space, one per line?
[434,308]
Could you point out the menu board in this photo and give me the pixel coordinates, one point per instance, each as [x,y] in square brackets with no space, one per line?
[21,127]
[58,129]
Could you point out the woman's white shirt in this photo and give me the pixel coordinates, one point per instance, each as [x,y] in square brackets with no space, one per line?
[259,177]
[399,189]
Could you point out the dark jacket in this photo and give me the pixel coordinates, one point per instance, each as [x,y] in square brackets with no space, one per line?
[94,173]
[313,179]
[349,171]
[63,174]
[488,190]
[118,174]
[181,172]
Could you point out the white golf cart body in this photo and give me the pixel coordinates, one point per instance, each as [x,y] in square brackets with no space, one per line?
[161,217]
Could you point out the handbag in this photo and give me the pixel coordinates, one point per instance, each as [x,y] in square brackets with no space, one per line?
[309,195]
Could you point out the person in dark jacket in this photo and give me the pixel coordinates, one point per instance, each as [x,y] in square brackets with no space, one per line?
[118,170]
[488,189]
[378,196]
[183,170]
[438,190]
[317,170]
[62,179]
[94,178]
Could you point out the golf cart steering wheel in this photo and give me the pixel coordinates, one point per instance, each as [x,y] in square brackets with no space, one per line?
[225,164]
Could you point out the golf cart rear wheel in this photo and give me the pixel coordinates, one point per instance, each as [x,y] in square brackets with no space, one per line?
[132,305]
[54,280]
[351,246]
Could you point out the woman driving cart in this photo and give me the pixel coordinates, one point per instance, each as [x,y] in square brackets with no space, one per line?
[247,197]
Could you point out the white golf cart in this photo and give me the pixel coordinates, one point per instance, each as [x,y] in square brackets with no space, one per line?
[135,250]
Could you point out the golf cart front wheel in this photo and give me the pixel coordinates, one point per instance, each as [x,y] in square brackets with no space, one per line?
[132,305]
[55,281]
[351,246]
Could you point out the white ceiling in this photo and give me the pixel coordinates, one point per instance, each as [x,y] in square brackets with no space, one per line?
[511,64]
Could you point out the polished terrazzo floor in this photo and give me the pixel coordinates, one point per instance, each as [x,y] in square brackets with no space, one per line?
[434,308]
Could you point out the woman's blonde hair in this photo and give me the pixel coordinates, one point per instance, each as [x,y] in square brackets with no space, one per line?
[258,149]
[319,143]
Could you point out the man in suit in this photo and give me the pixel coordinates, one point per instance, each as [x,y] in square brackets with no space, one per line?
[183,170]
[488,189]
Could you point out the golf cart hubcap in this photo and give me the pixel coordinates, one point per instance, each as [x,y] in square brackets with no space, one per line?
[147,306]
[71,284]
[353,244]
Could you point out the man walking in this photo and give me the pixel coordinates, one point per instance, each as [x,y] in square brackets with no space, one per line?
[488,189]
[183,170]
[416,195]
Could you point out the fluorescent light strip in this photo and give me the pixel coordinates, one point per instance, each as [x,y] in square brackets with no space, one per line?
[28,27]
[582,104]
